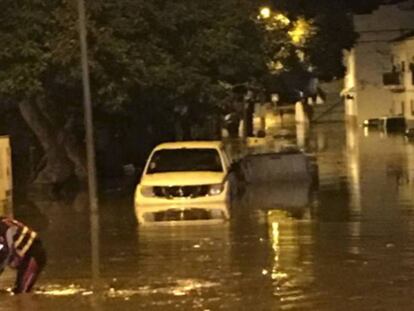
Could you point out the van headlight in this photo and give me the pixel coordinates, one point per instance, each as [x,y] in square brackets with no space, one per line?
[147,191]
[215,189]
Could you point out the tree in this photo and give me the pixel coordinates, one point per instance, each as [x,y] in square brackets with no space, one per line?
[25,59]
[333,23]
[167,60]
[333,26]
[155,54]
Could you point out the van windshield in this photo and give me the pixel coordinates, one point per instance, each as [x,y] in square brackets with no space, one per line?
[184,160]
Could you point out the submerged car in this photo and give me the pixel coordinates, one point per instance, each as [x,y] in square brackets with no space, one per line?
[372,123]
[409,133]
[393,123]
[184,181]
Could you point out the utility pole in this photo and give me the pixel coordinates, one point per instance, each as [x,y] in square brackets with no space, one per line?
[90,144]
[248,111]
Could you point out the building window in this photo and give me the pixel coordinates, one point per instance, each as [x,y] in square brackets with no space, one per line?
[402,108]
[412,107]
[412,73]
[403,66]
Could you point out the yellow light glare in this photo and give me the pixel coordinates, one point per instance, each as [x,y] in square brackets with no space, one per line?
[275,66]
[302,29]
[275,235]
[265,12]
[282,19]
[297,35]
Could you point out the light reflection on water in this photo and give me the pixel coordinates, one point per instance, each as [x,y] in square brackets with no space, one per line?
[59,290]
[179,288]
[345,245]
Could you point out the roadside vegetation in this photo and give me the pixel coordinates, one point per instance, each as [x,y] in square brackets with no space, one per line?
[158,68]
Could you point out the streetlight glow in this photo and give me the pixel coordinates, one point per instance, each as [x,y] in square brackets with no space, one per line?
[282,19]
[302,30]
[265,12]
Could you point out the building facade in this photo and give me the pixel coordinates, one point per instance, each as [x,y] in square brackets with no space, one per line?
[364,92]
[400,80]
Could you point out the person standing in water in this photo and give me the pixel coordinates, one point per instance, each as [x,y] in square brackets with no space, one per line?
[22,250]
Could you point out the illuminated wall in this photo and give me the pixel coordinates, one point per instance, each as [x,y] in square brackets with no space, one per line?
[370,58]
[403,60]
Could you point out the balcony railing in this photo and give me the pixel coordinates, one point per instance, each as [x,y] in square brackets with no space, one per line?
[393,80]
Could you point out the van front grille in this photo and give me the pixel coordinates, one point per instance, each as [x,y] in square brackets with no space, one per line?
[181,191]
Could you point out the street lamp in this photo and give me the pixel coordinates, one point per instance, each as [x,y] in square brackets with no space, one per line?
[265,12]
[274,98]
[274,19]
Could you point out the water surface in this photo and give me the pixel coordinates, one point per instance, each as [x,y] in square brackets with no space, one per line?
[347,244]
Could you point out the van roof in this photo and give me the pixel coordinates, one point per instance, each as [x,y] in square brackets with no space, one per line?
[393,117]
[213,144]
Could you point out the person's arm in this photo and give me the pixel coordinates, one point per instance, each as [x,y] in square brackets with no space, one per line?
[4,256]
[13,258]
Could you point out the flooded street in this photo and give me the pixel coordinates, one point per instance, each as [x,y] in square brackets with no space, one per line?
[347,244]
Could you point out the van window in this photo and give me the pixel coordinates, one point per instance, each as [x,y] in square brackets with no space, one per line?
[185,160]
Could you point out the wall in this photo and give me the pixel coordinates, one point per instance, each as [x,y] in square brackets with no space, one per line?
[370,58]
[403,102]
[5,177]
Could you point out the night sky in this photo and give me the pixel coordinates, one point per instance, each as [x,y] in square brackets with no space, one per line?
[366,6]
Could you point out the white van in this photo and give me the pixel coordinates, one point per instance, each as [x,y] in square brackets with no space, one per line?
[184,182]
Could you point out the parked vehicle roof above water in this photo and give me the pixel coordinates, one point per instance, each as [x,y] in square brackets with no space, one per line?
[373,122]
[393,118]
[388,123]
[393,123]
[409,132]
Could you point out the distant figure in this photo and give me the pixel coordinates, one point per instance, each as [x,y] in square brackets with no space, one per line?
[21,249]
[261,133]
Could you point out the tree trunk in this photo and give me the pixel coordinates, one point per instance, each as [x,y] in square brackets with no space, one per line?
[58,167]
[76,153]
[74,150]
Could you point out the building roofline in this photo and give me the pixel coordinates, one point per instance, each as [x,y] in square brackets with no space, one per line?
[403,37]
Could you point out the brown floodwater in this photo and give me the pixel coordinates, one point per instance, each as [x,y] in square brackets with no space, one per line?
[346,244]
